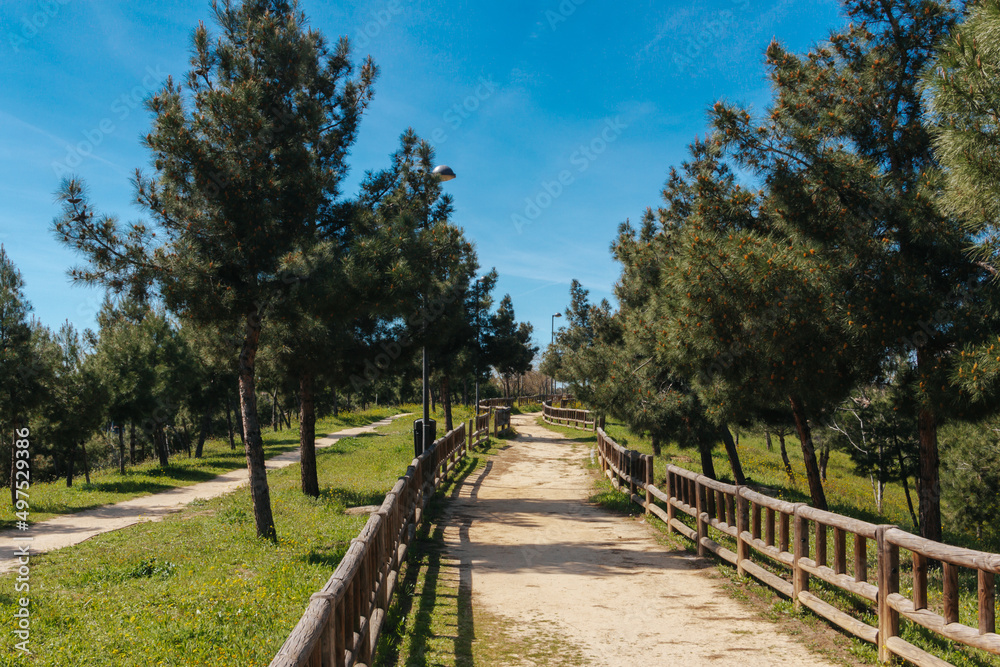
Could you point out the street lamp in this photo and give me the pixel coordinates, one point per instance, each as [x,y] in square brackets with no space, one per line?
[552,341]
[441,173]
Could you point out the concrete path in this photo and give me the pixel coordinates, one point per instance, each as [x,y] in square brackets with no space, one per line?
[70,529]
[555,568]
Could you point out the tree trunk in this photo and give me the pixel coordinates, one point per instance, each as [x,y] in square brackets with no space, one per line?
[446,402]
[275,426]
[767,439]
[824,459]
[808,454]
[307,436]
[86,463]
[906,490]
[206,423]
[185,437]
[160,444]
[121,449]
[707,464]
[655,441]
[229,423]
[131,442]
[259,491]
[336,407]
[239,421]
[784,456]
[929,489]
[734,456]
[70,465]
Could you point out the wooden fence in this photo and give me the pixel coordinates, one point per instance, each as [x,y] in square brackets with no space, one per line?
[509,401]
[783,544]
[581,419]
[341,625]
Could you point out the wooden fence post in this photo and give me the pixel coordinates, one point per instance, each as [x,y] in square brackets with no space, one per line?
[700,508]
[742,525]
[671,494]
[888,583]
[649,483]
[800,578]
[632,457]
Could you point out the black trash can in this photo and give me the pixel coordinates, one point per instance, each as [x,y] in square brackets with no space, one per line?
[418,435]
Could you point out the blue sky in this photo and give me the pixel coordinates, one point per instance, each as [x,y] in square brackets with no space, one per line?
[561,117]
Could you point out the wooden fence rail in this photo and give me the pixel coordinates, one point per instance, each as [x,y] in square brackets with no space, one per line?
[342,623]
[581,419]
[796,539]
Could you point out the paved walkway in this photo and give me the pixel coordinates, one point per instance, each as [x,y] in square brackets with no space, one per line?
[70,529]
[556,568]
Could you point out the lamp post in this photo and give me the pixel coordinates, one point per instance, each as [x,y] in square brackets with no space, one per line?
[475,363]
[441,173]
[552,340]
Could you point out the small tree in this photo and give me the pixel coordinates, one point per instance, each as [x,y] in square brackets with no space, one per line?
[880,438]
[508,344]
[75,399]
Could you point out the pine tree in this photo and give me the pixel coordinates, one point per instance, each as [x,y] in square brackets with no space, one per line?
[248,158]
[659,398]
[73,408]
[849,167]
[965,96]
[508,344]
[20,372]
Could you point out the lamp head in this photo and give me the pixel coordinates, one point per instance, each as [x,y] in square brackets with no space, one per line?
[443,172]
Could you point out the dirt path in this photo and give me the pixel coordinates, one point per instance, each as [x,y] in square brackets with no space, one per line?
[70,529]
[595,585]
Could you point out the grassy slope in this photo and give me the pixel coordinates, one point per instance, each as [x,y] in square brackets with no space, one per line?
[199,588]
[48,499]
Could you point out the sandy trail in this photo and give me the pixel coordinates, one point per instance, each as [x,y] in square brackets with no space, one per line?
[548,563]
[70,529]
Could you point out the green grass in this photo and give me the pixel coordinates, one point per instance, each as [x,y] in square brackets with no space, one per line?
[199,588]
[49,499]
[847,493]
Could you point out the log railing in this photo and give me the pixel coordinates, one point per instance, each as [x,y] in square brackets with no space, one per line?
[479,429]
[488,403]
[893,604]
[341,625]
[793,543]
[581,419]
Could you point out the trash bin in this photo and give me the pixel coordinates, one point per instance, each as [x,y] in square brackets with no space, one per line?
[418,435]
